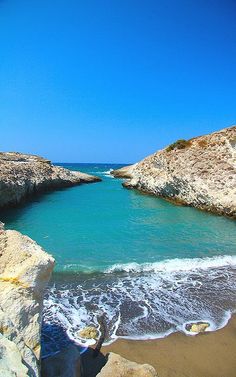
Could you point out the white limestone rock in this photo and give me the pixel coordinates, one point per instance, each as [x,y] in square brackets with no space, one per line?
[22,175]
[25,270]
[10,360]
[200,172]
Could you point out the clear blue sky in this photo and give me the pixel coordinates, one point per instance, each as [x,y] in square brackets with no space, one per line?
[114,80]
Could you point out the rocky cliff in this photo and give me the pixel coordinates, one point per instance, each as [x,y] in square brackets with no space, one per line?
[22,175]
[200,172]
[24,273]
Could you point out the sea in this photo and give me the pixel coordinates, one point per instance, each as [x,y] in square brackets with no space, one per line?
[147,266]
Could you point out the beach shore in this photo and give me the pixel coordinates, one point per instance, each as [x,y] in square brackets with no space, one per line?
[212,354]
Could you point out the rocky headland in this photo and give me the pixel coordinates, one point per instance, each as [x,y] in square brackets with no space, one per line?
[22,175]
[25,270]
[200,172]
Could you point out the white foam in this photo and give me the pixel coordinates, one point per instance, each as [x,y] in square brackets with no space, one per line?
[107,171]
[175,265]
[212,326]
[150,300]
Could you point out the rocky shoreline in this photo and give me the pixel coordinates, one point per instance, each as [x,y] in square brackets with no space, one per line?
[23,175]
[200,172]
[25,270]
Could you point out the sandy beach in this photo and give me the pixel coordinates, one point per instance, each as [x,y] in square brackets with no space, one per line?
[211,354]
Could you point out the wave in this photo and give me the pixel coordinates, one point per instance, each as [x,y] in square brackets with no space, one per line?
[174,265]
[145,301]
[107,173]
[167,265]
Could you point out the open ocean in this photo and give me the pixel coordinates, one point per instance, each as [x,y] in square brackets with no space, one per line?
[149,266]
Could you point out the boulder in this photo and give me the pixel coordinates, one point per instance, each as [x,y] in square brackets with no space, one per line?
[89,332]
[198,327]
[118,366]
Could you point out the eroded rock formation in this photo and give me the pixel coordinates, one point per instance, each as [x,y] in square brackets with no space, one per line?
[25,269]
[22,175]
[200,172]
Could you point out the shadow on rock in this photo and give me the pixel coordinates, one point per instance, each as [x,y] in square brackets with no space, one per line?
[61,357]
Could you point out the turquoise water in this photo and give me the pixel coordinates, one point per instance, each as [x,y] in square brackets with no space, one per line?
[149,266]
[92,227]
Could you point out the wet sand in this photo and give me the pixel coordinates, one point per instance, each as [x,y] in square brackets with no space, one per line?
[211,354]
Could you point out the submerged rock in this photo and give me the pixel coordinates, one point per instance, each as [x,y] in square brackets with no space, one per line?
[118,366]
[200,172]
[22,175]
[89,332]
[24,273]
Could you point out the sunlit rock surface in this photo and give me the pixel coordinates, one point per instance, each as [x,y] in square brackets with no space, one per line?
[22,175]
[25,269]
[200,172]
[118,366]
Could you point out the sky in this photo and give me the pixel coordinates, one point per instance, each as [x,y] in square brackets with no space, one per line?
[114,80]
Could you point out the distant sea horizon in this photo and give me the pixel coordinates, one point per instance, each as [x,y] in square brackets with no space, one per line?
[93,163]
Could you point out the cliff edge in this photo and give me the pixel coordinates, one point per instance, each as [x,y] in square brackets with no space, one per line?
[22,175]
[200,172]
[25,269]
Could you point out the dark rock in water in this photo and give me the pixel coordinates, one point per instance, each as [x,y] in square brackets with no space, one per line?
[22,175]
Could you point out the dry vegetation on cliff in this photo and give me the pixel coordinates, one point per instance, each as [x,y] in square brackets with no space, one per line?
[200,172]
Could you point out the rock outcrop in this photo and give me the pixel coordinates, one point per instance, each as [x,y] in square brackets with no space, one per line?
[24,273]
[200,172]
[125,172]
[22,175]
[118,366]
